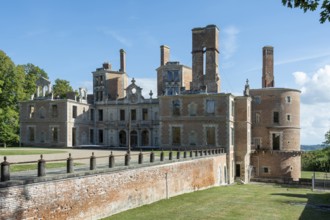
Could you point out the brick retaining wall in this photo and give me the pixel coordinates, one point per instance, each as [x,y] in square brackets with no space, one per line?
[102,195]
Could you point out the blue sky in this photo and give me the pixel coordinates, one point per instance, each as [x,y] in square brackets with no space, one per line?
[70,39]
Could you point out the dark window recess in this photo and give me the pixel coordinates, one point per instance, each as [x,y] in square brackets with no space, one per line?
[276,141]
[133,114]
[100,114]
[266,170]
[74,111]
[122,115]
[100,136]
[276,117]
[144,114]
[92,114]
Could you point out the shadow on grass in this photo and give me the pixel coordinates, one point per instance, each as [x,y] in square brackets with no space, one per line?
[316,207]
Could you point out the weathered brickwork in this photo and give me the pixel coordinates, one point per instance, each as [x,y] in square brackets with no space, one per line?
[97,196]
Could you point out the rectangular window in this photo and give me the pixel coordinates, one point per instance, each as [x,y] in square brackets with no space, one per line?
[276,138]
[54,111]
[288,99]
[91,136]
[265,170]
[122,115]
[133,114]
[210,136]
[257,143]
[276,117]
[210,106]
[176,108]
[54,134]
[176,135]
[100,136]
[74,111]
[31,111]
[144,114]
[257,118]
[92,114]
[31,134]
[257,99]
[288,117]
[100,114]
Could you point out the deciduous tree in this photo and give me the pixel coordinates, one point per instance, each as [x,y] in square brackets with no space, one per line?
[311,5]
[61,87]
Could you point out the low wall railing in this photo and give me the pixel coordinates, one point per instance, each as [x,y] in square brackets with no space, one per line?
[129,158]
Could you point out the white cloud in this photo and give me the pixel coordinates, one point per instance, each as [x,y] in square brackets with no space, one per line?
[315,89]
[315,104]
[229,41]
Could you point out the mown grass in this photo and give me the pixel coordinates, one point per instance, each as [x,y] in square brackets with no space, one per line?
[27,151]
[253,201]
[318,175]
[34,166]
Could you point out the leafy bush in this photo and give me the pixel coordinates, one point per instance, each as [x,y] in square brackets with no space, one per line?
[317,160]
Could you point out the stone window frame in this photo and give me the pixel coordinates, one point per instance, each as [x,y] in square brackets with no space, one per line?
[288,99]
[100,114]
[171,132]
[54,110]
[257,99]
[51,133]
[91,136]
[257,117]
[174,111]
[278,117]
[91,115]
[192,138]
[31,110]
[74,111]
[192,109]
[42,112]
[100,140]
[216,127]
[29,135]
[265,170]
[255,142]
[206,108]
[288,117]
[271,139]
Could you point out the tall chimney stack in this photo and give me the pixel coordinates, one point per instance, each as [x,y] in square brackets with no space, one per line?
[268,67]
[122,61]
[164,54]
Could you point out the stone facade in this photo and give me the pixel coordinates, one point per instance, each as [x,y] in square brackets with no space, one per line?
[260,130]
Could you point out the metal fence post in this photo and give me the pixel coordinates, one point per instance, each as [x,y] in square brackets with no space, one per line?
[69,164]
[162,156]
[111,160]
[152,157]
[92,165]
[41,166]
[170,155]
[5,171]
[140,157]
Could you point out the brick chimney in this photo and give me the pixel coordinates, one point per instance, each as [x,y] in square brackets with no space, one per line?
[122,61]
[164,54]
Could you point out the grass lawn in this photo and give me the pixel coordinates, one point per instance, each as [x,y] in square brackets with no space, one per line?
[318,175]
[25,167]
[27,151]
[252,201]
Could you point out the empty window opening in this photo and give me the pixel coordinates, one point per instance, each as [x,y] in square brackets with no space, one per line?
[276,117]
[176,135]
[276,141]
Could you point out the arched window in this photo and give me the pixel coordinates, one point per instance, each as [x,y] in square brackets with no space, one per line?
[145,138]
[122,138]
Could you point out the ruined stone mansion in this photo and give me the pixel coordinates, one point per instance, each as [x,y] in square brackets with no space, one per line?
[259,130]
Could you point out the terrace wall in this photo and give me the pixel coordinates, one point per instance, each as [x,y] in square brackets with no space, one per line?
[104,194]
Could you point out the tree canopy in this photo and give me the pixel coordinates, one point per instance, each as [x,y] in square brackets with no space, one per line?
[61,88]
[311,5]
[327,138]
